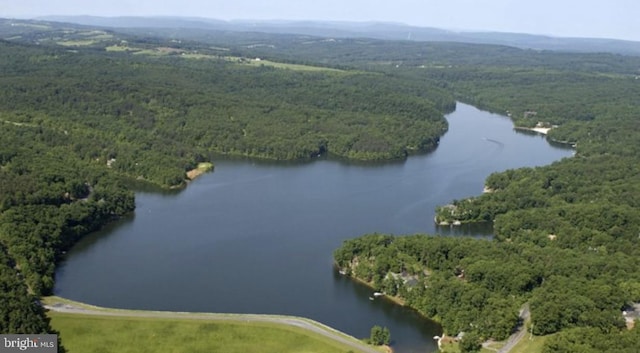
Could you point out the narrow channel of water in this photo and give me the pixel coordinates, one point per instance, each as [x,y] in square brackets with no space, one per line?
[258,237]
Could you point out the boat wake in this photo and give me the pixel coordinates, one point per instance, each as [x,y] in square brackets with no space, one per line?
[500,144]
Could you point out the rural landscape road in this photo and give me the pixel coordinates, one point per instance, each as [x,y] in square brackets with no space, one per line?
[522,331]
[283,320]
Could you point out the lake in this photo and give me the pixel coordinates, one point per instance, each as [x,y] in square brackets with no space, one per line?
[258,237]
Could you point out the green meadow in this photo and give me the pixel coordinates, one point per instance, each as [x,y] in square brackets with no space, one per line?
[530,344]
[90,333]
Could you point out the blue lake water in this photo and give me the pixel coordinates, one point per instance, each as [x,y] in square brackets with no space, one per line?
[258,237]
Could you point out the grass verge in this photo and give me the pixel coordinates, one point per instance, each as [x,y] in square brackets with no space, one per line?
[89,333]
[105,330]
[533,345]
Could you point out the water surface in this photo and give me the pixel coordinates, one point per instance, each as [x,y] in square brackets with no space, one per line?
[257,237]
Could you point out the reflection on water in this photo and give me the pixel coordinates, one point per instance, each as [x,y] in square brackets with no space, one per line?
[93,239]
[258,236]
[480,230]
[407,324]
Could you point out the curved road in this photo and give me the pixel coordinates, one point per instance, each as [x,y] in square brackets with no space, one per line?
[306,324]
[518,335]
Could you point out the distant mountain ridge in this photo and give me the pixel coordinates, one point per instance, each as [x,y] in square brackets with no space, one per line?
[376,30]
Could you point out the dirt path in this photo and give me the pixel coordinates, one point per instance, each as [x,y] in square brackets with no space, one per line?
[518,335]
[306,324]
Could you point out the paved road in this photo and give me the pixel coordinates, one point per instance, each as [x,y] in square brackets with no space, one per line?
[522,331]
[306,324]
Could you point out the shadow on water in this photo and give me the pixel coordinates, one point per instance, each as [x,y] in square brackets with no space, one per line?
[406,325]
[525,131]
[146,187]
[92,240]
[257,236]
[324,157]
[552,142]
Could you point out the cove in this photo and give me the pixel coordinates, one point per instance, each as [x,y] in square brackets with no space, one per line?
[258,237]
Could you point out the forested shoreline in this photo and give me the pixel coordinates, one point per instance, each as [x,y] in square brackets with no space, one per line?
[567,235]
[80,123]
[83,111]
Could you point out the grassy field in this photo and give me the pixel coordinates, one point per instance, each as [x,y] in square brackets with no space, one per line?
[191,55]
[86,38]
[295,67]
[526,345]
[262,62]
[77,43]
[533,345]
[119,48]
[90,333]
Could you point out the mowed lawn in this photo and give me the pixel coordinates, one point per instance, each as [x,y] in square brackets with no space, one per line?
[530,345]
[102,334]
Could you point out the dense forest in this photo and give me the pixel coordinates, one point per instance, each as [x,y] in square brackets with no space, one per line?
[79,122]
[85,111]
[567,235]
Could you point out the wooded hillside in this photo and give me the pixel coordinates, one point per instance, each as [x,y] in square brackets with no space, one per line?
[84,111]
[567,235]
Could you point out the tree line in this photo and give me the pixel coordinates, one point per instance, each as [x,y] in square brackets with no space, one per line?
[77,123]
[77,126]
[566,234]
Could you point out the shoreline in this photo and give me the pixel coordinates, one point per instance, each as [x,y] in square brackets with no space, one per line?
[540,130]
[394,299]
[63,305]
[202,168]
[545,132]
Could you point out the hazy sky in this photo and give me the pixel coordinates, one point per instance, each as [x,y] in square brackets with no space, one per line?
[577,18]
